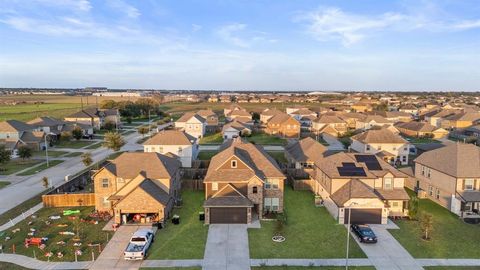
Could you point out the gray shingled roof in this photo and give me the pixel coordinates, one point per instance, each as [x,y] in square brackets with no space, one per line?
[170,137]
[379,136]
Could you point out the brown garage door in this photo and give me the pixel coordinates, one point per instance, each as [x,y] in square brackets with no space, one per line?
[228,215]
[369,216]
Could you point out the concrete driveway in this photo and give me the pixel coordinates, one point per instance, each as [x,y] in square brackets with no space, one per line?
[227,248]
[388,254]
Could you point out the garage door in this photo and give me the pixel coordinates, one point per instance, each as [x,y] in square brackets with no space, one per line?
[369,216]
[228,215]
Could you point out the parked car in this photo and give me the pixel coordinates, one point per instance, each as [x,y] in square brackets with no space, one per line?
[364,233]
[139,244]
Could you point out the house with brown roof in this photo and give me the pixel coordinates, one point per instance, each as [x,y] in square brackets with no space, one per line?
[330,124]
[211,119]
[268,113]
[239,115]
[460,120]
[364,183]
[372,121]
[421,130]
[361,107]
[235,129]
[135,184]
[450,176]
[193,124]
[303,153]
[384,143]
[176,143]
[242,183]
[409,108]
[435,117]
[394,116]
[283,125]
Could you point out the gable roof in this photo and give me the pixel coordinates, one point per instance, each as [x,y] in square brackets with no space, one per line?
[456,159]
[45,121]
[328,119]
[281,118]
[14,126]
[382,135]
[149,187]
[306,149]
[206,113]
[417,126]
[32,136]
[153,165]
[376,118]
[170,137]
[235,124]
[354,189]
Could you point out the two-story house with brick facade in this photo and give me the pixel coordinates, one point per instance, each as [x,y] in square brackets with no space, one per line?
[138,187]
[242,182]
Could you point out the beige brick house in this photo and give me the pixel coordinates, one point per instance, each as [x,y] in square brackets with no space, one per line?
[242,182]
[450,176]
[137,184]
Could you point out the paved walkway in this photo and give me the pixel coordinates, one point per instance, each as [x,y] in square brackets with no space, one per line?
[112,256]
[32,263]
[26,214]
[171,263]
[309,262]
[388,254]
[227,248]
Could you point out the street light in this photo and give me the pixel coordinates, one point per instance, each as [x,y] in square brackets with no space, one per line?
[349,207]
[46,148]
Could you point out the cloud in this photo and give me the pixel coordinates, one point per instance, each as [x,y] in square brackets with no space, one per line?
[229,33]
[196,27]
[81,5]
[121,6]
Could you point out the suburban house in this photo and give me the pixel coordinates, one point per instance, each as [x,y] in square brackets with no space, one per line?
[193,124]
[54,127]
[435,117]
[235,129]
[242,183]
[231,108]
[394,116]
[450,176]
[95,117]
[135,184]
[14,133]
[301,113]
[302,154]
[409,108]
[180,144]
[239,115]
[420,130]
[364,183]
[266,114]
[283,125]
[331,124]
[370,121]
[460,120]
[211,120]
[384,143]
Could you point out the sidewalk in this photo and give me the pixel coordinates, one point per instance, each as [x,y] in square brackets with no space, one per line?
[309,262]
[16,220]
[36,264]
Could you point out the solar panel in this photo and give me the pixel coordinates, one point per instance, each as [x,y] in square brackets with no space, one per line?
[351,171]
[370,161]
[348,164]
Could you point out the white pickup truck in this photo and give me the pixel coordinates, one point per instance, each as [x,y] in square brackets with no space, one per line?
[139,244]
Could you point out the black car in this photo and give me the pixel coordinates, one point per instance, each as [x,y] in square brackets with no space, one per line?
[364,233]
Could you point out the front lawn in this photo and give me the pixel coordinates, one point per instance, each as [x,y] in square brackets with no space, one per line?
[311,232]
[312,267]
[215,138]
[206,155]
[186,240]
[450,238]
[72,144]
[90,235]
[41,167]
[4,184]
[279,156]
[266,139]
[17,165]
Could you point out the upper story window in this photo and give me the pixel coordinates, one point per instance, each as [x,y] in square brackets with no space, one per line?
[160,149]
[214,186]
[255,190]
[469,184]
[388,183]
[437,194]
[105,183]
[233,164]
[271,184]
[368,147]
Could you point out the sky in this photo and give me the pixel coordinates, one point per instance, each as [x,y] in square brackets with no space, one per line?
[301,45]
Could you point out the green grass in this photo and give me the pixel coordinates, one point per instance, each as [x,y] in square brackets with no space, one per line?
[72,144]
[88,232]
[450,238]
[310,232]
[206,155]
[11,266]
[94,146]
[50,153]
[266,139]
[170,268]
[278,156]
[4,184]
[417,140]
[19,209]
[451,267]
[25,112]
[215,138]
[41,167]
[312,267]
[14,166]
[186,240]
[74,154]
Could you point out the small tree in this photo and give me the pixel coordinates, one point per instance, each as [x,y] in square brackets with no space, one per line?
[413,208]
[426,225]
[114,141]
[24,152]
[77,133]
[87,159]
[143,130]
[129,119]
[45,182]
[66,135]
[4,155]
[109,125]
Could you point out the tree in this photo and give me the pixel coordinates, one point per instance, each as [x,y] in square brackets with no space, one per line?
[45,182]
[4,155]
[413,208]
[114,141]
[382,107]
[87,159]
[108,104]
[143,130]
[66,135]
[77,133]
[129,119]
[24,152]
[426,225]
[109,125]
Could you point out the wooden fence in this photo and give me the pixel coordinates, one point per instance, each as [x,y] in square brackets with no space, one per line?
[192,184]
[303,184]
[68,200]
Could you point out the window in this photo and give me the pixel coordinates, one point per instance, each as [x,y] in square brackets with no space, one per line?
[404,158]
[405,148]
[388,183]
[255,190]
[271,204]
[428,172]
[437,193]
[214,186]
[394,204]
[423,170]
[105,183]
[271,184]
[379,147]
[234,164]
[468,184]
[106,202]
[160,149]
[467,207]
[368,147]
[430,191]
